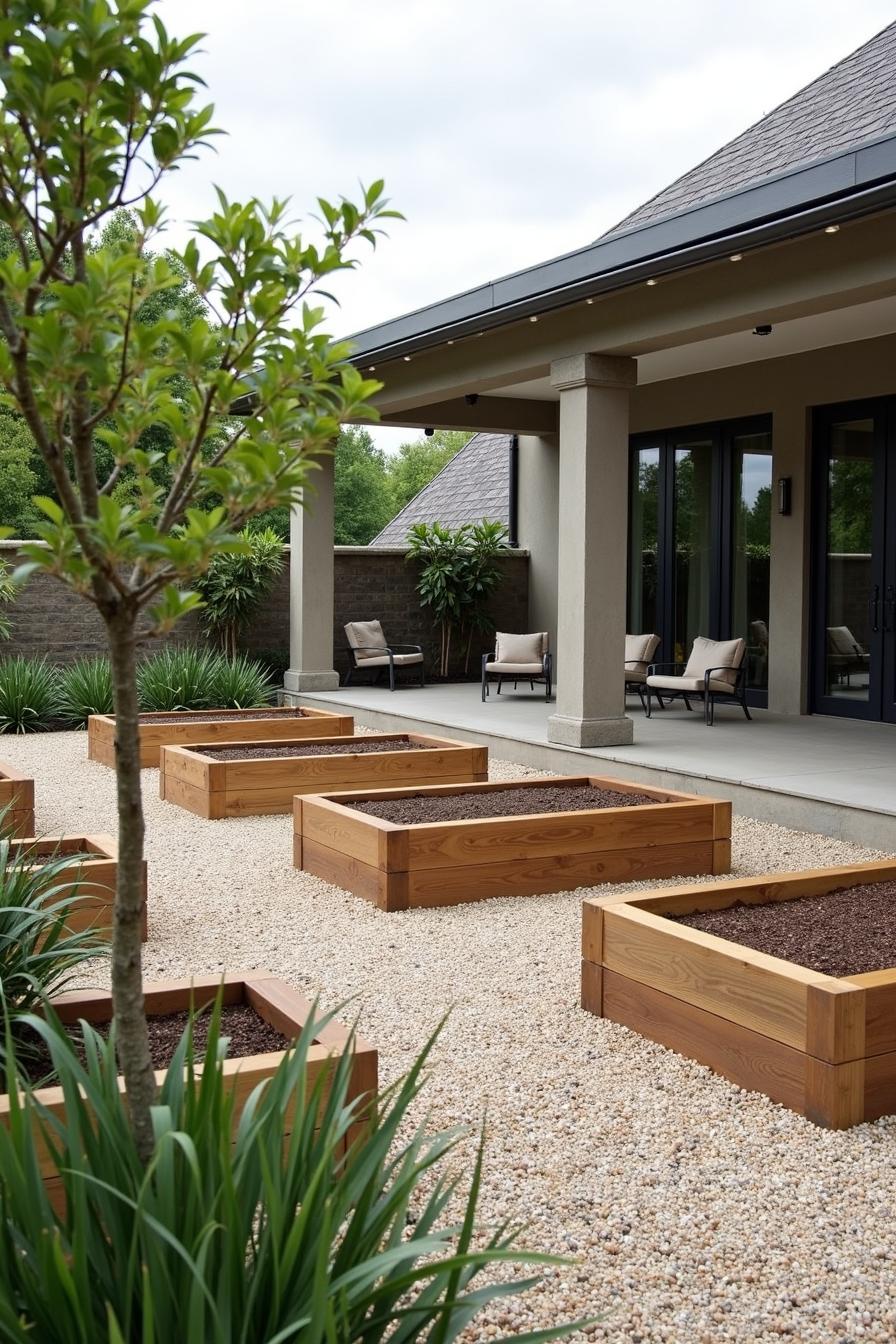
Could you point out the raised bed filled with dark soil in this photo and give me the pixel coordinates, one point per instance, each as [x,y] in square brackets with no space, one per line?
[233,779]
[89,873]
[262,1015]
[281,723]
[406,848]
[16,800]
[784,984]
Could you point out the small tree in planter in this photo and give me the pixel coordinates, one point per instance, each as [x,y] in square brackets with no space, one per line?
[458,577]
[98,107]
[235,583]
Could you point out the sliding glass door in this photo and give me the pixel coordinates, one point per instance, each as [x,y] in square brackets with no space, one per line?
[699,539]
[854,637]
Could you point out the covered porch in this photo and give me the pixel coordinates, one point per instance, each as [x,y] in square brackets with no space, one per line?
[833,776]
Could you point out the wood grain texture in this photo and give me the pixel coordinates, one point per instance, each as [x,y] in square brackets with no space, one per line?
[91,881]
[835,1021]
[387,891]
[835,1093]
[686,900]
[731,981]
[744,1056]
[592,988]
[216,725]
[17,799]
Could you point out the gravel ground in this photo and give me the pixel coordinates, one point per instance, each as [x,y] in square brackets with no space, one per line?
[695,1212]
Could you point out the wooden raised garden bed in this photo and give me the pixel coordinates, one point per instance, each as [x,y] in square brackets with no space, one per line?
[17,794]
[823,1046]
[429,863]
[285,723]
[273,1000]
[90,876]
[212,787]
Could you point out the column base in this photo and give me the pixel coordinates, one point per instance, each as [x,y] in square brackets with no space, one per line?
[570,732]
[297,680]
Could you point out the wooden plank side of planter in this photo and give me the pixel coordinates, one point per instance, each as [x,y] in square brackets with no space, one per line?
[279,723]
[687,900]
[17,794]
[92,880]
[746,1057]
[760,992]
[318,774]
[387,891]
[271,801]
[194,799]
[541,835]
[880,1010]
[356,834]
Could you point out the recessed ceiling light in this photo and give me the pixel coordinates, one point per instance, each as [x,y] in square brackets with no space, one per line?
[451,342]
[533,319]
[832,228]
[407,359]
[589,300]
[736,256]
[371,368]
[651,281]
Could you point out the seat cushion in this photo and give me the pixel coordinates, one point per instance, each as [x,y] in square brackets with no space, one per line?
[841,640]
[708,653]
[520,648]
[638,674]
[515,669]
[399,659]
[641,648]
[693,685]
[365,635]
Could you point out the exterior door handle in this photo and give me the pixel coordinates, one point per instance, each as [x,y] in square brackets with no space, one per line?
[889,608]
[874,609]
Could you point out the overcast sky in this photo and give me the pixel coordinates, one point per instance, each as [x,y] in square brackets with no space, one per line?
[507,130]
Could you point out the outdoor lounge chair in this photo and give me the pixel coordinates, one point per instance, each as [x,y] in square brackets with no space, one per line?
[639,651]
[518,658]
[715,670]
[369,652]
[845,653]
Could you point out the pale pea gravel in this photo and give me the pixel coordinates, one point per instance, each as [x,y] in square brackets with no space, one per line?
[695,1212]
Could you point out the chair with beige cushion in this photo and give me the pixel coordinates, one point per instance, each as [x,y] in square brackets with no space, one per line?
[845,653]
[369,652]
[639,653]
[518,658]
[715,670]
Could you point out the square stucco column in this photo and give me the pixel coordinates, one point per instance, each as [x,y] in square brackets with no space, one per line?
[592,550]
[311,588]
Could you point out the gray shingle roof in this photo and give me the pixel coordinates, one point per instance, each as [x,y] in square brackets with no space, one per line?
[473,484]
[853,101]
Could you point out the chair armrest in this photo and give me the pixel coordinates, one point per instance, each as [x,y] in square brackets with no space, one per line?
[637,662]
[547,663]
[727,667]
[416,648]
[371,648]
[488,658]
[659,667]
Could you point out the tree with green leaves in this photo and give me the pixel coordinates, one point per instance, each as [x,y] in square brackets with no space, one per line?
[236,582]
[362,504]
[99,106]
[458,576]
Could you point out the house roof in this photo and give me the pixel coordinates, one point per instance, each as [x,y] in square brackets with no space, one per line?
[759,192]
[473,484]
[852,102]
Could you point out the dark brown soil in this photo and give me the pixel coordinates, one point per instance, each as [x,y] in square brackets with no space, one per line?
[364,747]
[41,860]
[845,932]
[511,802]
[224,716]
[248,1034]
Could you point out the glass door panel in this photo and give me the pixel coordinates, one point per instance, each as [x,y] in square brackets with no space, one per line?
[693,522]
[644,581]
[751,492]
[852,589]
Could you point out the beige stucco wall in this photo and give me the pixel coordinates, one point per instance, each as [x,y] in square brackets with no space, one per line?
[787,389]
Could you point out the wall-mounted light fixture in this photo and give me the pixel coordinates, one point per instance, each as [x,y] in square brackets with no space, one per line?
[764,329]
[785,494]
[429,431]
[471,398]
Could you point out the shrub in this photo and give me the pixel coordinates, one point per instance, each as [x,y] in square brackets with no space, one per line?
[175,679]
[235,583]
[275,663]
[458,577]
[229,1243]
[7,594]
[38,954]
[85,689]
[29,695]
[240,683]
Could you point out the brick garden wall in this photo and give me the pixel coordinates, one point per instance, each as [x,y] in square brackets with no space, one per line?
[370,585]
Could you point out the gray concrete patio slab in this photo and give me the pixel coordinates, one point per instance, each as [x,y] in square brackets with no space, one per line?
[834,776]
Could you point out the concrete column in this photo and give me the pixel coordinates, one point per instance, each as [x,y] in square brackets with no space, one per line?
[538,512]
[311,587]
[592,551]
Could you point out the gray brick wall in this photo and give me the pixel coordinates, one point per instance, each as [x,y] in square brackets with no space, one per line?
[370,585]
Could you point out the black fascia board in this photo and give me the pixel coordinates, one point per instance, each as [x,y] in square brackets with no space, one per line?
[852,183]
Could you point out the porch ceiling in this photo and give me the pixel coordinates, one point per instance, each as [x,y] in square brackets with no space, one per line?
[819,290]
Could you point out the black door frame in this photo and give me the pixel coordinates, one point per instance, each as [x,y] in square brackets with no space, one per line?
[881,703]
[723,434]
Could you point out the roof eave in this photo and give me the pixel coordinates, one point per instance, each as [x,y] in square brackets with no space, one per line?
[847,185]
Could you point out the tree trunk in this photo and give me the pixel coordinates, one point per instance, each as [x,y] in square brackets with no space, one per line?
[127,972]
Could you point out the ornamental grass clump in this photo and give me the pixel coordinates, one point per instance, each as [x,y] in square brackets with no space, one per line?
[29,695]
[175,679]
[39,954]
[231,1234]
[85,688]
[240,683]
